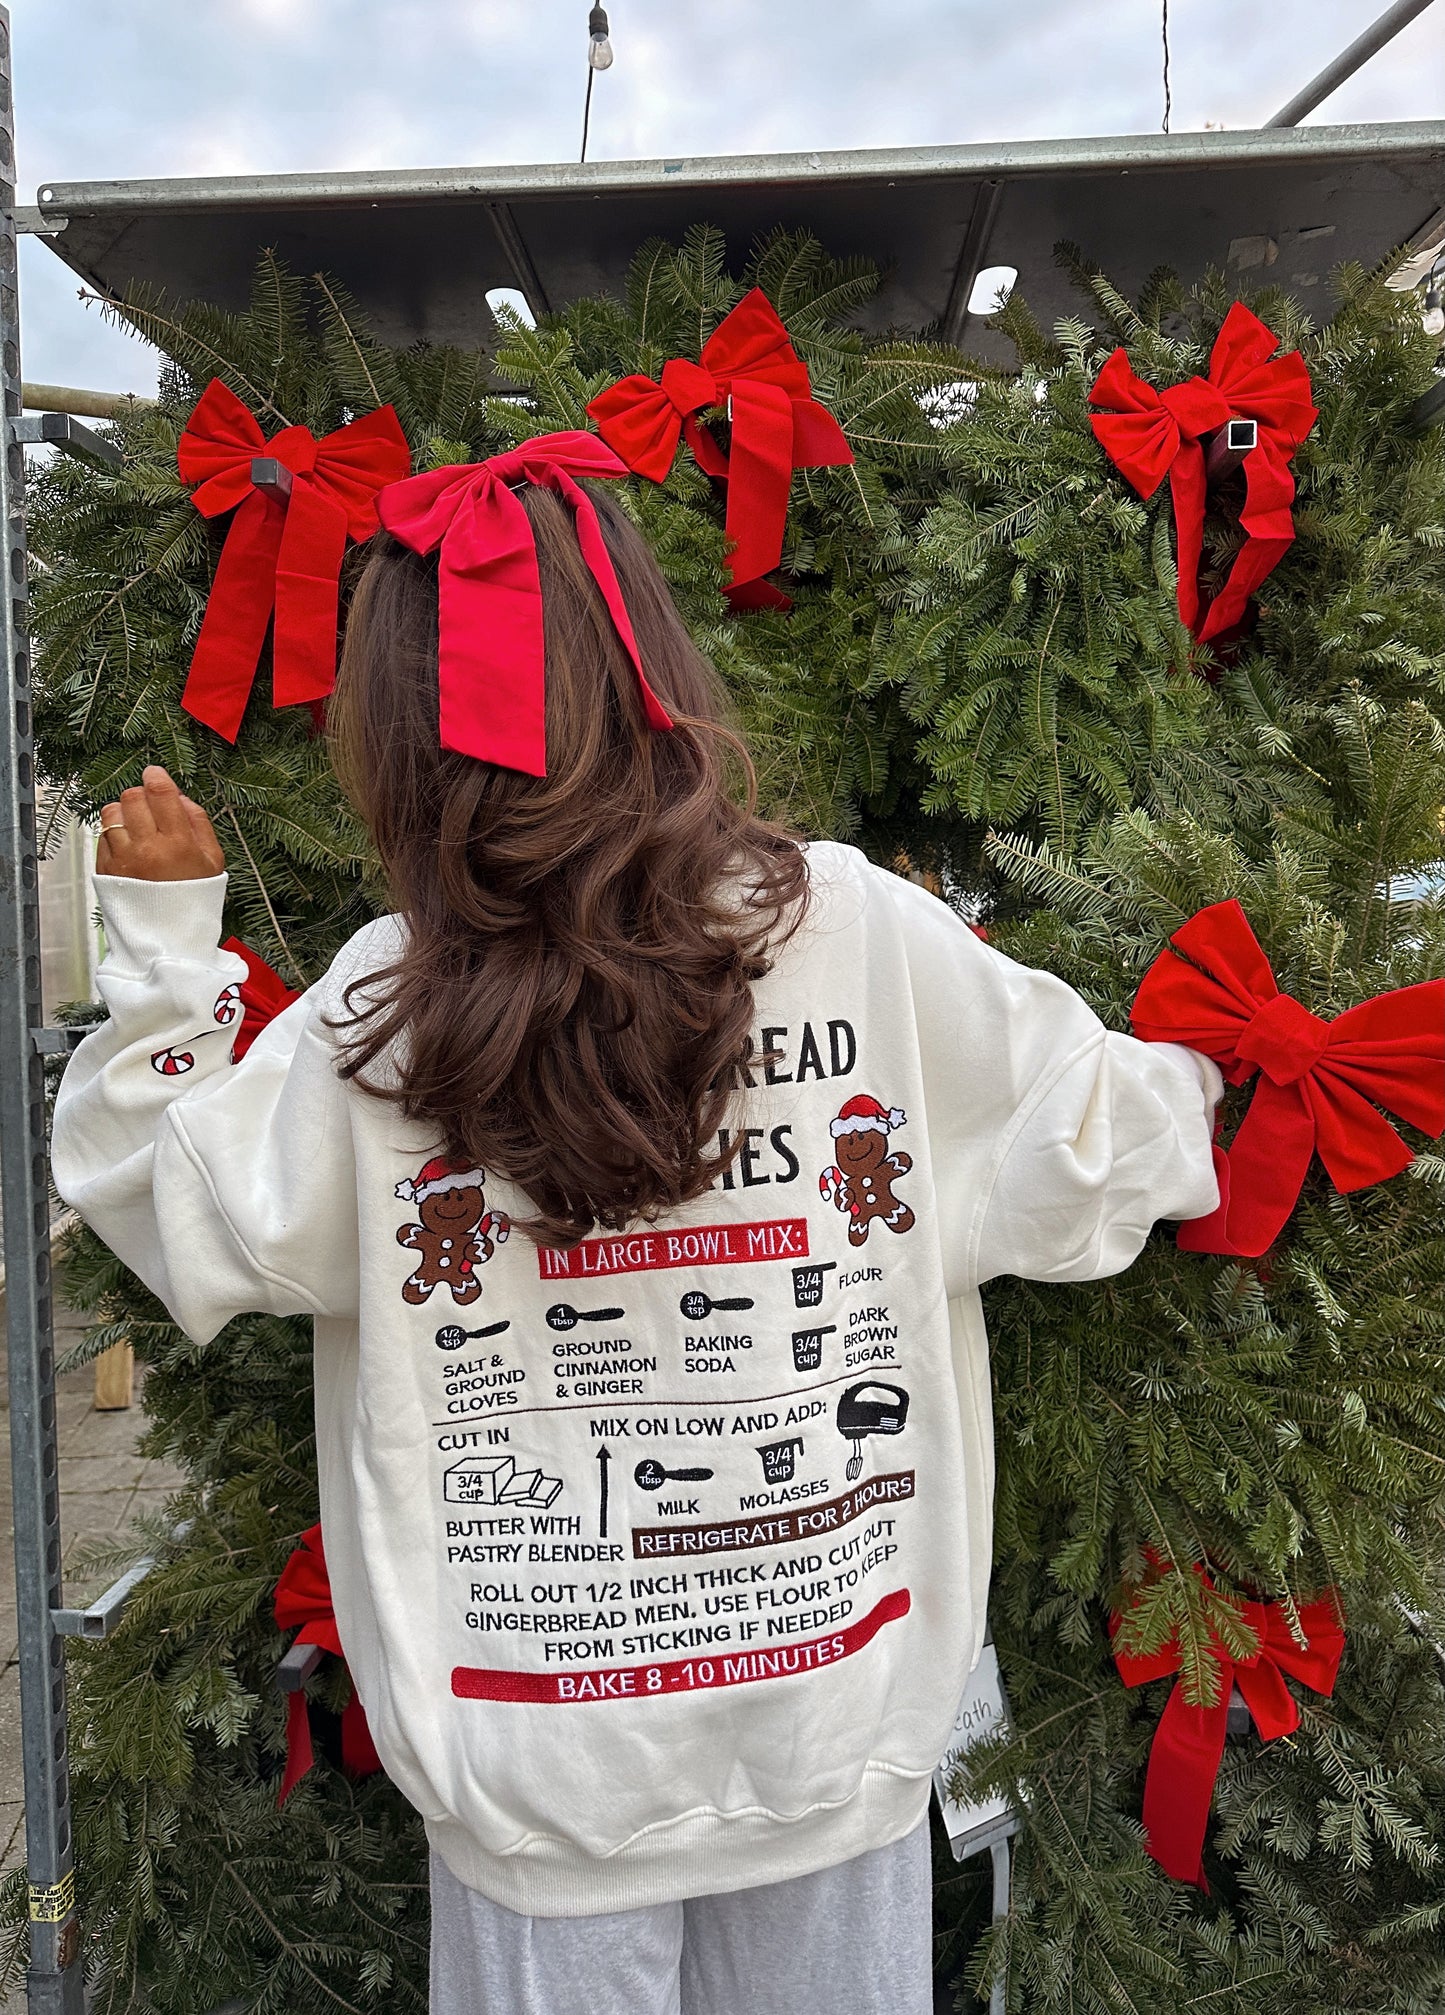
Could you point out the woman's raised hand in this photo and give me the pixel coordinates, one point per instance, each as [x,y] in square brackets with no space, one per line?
[156,834]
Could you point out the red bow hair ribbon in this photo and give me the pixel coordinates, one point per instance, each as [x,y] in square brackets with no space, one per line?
[1188,1745]
[303,1596]
[1149,434]
[749,365]
[281,557]
[491,652]
[1319,1081]
[263,995]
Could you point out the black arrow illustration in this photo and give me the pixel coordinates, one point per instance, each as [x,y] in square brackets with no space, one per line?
[604,1456]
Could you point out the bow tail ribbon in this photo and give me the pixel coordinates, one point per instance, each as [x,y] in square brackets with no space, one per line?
[1187,489]
[1268,525]
[308,593]
[485,713]
[233,630]
[358,1750]
[1184,1760]
[1260,1175]
[599,562]
[299,1753]
[760,474]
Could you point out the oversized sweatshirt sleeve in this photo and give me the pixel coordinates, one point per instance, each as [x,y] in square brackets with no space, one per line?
[1056,1142]
[225,1187]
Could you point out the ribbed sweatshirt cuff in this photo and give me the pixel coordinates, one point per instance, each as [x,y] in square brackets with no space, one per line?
[145,921]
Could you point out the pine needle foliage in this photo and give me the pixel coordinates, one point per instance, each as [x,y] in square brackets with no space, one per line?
[984,671]
[1276,1422]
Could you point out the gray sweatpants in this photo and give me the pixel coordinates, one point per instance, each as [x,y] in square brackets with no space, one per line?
[853,1940]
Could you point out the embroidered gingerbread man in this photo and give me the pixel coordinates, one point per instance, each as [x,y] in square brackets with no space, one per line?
[862,1181]
[457,1233]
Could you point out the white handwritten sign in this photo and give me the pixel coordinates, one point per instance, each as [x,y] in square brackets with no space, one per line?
[982,1712]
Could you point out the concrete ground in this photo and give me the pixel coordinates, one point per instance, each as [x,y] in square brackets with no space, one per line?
[103,1484]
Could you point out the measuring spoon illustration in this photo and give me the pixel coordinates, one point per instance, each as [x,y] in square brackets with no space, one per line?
[651,1475]
[452,1337]
[695,1305]
[562,1315]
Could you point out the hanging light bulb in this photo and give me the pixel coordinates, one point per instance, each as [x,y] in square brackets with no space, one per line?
[599,49]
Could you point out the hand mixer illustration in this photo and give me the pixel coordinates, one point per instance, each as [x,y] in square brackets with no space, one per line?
[870,1407]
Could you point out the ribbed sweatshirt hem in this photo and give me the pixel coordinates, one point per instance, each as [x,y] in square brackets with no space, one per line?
[698,1854]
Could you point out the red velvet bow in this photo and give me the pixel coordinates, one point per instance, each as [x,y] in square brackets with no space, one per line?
[303,1595]
[491,656]
[263,995]
[749,365]
[1149,435]
[281,556]
[1317,1078]
[1188,1744]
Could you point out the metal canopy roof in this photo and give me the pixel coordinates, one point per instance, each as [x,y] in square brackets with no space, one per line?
[419,248]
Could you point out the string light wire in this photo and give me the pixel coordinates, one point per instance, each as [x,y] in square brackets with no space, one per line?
[587,111]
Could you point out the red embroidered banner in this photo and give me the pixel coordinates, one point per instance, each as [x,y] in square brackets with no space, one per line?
[696,1245]
[772,1528]
[679,1675]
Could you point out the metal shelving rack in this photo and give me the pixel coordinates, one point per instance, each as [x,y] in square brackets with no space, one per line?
[420,250]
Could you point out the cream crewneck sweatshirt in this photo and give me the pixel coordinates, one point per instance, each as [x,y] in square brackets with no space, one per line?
[659,1564]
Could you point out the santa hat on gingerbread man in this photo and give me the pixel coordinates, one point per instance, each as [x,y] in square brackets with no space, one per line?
[864,1115]
[437,1175]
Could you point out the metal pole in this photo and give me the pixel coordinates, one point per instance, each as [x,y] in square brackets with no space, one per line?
[1349,61]
[999,1854]
[54,1983]
[85,405]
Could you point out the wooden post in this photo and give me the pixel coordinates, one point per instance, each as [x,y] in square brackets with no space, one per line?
[114,1378]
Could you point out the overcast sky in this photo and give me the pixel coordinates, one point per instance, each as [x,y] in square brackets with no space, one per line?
[202,87]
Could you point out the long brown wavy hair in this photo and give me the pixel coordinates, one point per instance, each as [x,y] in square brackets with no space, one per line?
[574,999]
